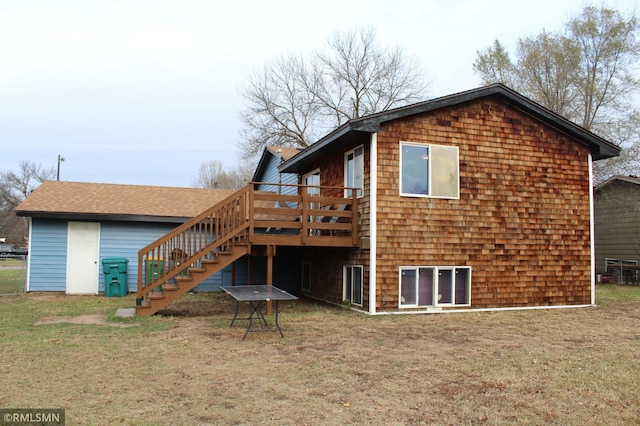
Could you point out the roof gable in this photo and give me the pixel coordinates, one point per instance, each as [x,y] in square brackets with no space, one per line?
[100,201]
[600,148]
[618,178]
[270,153]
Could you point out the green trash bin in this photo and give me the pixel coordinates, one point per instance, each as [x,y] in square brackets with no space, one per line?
[155,269]
[115,276]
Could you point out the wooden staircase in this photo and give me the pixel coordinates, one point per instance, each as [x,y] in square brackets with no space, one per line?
[203,246]
[179,261]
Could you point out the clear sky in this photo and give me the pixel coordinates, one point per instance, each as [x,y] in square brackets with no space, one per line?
[144,91]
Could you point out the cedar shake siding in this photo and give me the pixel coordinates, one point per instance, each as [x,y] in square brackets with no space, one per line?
[522,219]
[327,265]
[512,226]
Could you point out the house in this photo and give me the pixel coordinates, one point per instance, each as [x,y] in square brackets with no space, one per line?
[617,229]
[74,226]
[267,170]
[477,200]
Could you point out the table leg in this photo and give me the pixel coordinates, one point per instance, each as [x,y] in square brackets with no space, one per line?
[236,315]
[278,325]
[254,309]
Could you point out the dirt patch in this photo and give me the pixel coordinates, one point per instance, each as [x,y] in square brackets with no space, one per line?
[96,319]
[43,297]
[194,309]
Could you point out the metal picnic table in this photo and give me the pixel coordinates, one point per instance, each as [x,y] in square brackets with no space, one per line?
[256,296]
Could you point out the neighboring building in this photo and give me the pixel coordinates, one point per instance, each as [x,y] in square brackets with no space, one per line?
[617,229]
[267,170]
[74,226]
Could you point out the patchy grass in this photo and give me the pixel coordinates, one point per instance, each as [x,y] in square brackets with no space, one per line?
[607,294]
[11,277]
[555,366]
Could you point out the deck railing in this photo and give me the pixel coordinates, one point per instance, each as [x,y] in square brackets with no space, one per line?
[290,216]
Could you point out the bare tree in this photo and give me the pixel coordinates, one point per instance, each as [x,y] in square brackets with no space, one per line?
[212,174]
[282,109]
[14,188]
[609,55]
[494,65]
[296,100]
[586,73]
[548,67]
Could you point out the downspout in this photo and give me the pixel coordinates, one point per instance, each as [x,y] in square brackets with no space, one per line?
[591,232]
[278,204]
[29,255]
[373,219]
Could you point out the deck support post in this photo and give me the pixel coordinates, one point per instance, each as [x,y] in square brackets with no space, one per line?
[233,274]
[271,251]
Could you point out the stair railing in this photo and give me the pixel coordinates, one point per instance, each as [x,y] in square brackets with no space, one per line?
[202,238]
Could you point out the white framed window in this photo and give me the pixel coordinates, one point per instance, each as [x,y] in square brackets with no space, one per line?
[429,170]
[312,181]
[422,286]
[352,284]
[616,264]
[306,277]
[354,170]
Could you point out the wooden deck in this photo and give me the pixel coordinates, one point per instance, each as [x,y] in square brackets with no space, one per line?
[206,244]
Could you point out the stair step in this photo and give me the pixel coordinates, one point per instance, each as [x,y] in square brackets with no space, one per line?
[174,286]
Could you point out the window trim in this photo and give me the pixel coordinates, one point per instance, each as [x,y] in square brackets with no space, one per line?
[435,302]
[361,167]
[430,171]
[310,174]
[345,269]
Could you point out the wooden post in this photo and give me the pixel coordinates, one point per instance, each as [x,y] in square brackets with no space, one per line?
[354,218]
[271,251]
[305,218]
[233,274]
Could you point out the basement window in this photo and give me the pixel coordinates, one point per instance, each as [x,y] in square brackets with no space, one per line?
[422,286]
[352,284]
[429,171]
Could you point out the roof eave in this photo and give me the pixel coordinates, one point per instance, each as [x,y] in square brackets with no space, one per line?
[100,217]
[293,164]
[620,178]
[600,148]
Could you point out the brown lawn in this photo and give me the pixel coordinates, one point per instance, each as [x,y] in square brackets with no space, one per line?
[551,366]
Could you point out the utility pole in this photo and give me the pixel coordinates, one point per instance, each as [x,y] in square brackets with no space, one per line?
[60,160]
